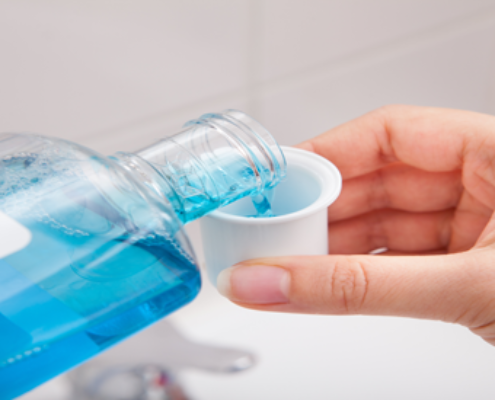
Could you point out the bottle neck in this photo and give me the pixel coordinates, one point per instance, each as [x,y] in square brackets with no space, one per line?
[211,162]
[153,179]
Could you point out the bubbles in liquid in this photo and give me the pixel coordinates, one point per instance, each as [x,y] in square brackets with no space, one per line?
[22,356]
[24,177]
[262,204]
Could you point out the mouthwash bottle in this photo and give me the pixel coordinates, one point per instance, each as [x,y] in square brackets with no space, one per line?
[92,248]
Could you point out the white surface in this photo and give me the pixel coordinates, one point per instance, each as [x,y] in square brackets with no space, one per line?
[56,389]
[344,358]
[13,235]
[72,68]
[299,35]
[453,69]
[328,357]
[229,236]
[115,75]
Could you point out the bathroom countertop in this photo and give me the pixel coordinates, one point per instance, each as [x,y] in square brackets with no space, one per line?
[322,357]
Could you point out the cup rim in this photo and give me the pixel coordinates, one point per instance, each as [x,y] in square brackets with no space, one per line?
[322,167]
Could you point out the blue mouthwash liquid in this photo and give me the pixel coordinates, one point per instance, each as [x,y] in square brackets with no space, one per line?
[89,277]
[262,204]
[222,181]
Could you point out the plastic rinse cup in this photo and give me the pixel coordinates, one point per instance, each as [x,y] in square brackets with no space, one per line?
[299,225]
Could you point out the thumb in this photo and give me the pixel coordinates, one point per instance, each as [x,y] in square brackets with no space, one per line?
[451,288]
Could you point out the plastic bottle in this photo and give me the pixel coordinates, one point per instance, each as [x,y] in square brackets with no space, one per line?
[92,247]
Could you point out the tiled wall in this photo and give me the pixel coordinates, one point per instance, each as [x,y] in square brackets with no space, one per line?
[114,74]
[117,74]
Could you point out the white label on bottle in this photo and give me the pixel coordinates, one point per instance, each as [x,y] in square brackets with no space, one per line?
[13,235]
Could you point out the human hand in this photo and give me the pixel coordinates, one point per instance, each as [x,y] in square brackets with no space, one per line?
[418,181]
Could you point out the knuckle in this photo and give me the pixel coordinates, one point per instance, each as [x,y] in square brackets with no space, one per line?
[382,117]
[348,285]
[379,198]
[486,332]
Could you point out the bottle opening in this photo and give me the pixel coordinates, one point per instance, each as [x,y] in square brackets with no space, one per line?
[216,160]
[299,190]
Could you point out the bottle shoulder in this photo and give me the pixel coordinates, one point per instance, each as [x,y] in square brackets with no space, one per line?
[57,180]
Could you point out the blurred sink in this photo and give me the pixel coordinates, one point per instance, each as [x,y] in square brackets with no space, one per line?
[324,357]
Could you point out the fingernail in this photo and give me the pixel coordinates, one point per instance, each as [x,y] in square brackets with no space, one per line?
[255,284]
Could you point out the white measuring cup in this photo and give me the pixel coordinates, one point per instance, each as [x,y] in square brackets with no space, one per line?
[299,227]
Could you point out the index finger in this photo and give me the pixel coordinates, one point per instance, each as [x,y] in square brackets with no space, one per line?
[432,139]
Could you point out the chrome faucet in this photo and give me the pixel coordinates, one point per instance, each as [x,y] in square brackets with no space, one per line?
[148,366]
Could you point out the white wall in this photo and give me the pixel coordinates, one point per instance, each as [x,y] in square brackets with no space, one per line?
[113,74]
[117,74]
